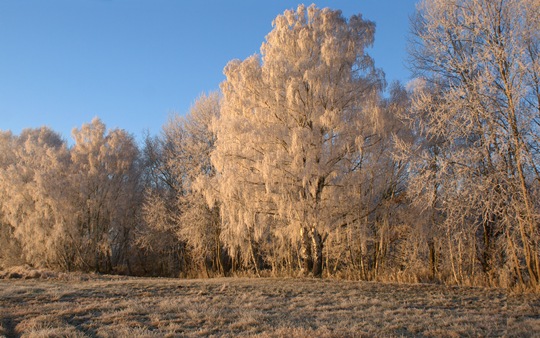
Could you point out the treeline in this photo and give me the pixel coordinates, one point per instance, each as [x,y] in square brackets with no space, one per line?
[307,163]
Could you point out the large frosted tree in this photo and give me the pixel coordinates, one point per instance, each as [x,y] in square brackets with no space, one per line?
[478,109]
[296,126]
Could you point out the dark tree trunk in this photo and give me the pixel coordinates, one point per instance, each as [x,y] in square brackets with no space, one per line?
[433,259]
[311,252]
[305,251]
[317,252]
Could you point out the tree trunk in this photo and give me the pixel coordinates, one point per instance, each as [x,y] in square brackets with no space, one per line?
[305,251]
[311,252]
[317,252]
[433,259]
[254,252]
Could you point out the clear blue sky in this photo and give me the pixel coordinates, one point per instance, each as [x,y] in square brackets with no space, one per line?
[134,62]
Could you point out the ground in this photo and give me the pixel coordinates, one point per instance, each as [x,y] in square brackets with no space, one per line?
[264,307]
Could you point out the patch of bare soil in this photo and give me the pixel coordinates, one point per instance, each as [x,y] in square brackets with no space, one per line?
[268,307]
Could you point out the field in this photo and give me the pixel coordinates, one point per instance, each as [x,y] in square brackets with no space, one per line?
[81,306]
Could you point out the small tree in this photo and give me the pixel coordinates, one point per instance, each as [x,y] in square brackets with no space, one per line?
[179,157]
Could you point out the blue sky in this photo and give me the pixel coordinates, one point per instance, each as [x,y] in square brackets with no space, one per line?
[134,62]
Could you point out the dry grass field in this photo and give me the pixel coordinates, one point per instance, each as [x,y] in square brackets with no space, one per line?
[98,306]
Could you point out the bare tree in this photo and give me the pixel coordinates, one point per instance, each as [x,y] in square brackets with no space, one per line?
[181,156]
[479,110]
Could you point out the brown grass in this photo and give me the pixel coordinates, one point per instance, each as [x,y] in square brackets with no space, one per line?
[146,307]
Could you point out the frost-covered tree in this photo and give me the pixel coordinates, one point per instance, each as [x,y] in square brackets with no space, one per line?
[10,250]
[479,113]
[34,210]
[104,177]
[296,131]
[67,208]
[200,224]
[177,158]
[160,247]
